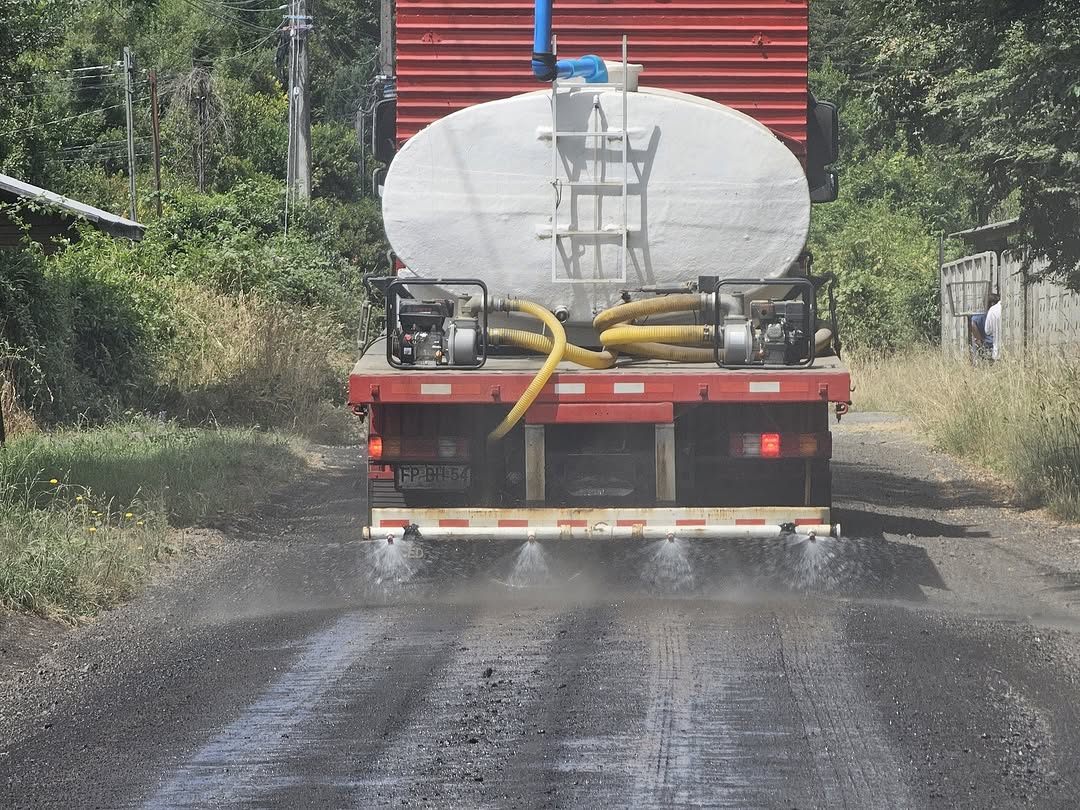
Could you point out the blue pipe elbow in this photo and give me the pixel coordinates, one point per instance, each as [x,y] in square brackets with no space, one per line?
[544,66]
[591,68]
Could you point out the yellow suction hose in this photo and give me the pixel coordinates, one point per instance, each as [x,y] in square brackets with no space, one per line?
[558,349]
[623,335]
[542,344]
[677,354]
[684,302]
[655,342]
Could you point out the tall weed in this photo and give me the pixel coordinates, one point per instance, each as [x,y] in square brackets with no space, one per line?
[1019,418]
[251,361]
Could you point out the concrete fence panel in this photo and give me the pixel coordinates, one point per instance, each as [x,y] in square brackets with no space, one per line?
[1040,316]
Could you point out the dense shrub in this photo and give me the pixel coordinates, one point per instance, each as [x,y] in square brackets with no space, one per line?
[215,313]
[886,262]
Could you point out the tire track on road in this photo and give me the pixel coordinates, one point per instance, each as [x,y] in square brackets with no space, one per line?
[707,718]
[853,764]
[480,710]
[264,752]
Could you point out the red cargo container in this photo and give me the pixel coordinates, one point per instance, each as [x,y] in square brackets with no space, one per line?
[750,55]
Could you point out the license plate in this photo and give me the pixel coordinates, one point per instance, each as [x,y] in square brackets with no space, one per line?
[432,476]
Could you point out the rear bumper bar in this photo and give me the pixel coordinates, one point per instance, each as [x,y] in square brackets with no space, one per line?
[600,532]
[617,524]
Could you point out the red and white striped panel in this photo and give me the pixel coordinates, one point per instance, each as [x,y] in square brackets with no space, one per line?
[710,385]
[398,518]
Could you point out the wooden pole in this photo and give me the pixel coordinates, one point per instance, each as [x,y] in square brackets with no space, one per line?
[129,92]
[157,140]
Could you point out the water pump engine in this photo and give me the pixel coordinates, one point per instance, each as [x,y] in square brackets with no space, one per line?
[780,332]
[433,332]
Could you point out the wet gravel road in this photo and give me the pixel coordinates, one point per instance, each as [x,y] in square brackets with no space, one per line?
[933,663]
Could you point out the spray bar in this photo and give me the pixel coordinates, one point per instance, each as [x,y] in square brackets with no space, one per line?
[598,531]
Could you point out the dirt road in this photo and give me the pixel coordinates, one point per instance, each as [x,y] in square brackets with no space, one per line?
[933,664]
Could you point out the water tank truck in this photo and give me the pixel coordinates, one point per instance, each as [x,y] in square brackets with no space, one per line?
[605,323]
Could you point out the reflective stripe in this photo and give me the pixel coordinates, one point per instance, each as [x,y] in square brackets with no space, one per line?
[569,388]
[630,388]
[765,387]
[436,389]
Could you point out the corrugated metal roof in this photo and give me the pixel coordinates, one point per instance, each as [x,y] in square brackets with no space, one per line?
[102,220]
[748,54]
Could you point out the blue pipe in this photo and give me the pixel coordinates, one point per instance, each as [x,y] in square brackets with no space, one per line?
[545,67]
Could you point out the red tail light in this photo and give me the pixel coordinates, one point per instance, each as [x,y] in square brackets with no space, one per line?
[770,445]
[418,448]
[781,445]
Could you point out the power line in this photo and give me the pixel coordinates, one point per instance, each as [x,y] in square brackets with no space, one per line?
[47,78]
[250,50]
[40,93]
[59,120]
[207,10]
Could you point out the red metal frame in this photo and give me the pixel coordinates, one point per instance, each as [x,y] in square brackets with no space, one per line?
[598,387]
[580,413]
[748,54]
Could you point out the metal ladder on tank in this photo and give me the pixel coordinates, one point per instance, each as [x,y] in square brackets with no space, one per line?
[599,137]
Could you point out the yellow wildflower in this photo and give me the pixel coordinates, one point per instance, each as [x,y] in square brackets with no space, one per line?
[129,515]
[53,481]
[92,529]
[138,523]
[78,498]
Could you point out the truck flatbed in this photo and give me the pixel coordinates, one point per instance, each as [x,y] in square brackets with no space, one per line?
[504,379]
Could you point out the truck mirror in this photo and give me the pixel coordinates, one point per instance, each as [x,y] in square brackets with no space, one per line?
[822,149]
[384,130]
[827,191]
[823,131]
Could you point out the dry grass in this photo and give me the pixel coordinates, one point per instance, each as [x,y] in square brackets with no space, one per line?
[17,419]
[1018,418]
[248,361]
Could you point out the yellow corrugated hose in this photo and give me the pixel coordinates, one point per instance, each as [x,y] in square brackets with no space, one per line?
[623,335]
[662,351]
[542,344]
[685,302]
[558,349]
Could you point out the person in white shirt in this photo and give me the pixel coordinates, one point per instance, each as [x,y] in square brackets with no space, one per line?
[992,329]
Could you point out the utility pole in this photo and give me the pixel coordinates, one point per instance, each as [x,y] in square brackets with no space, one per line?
[386,37]
[200,144]
[129,92]
[298,171]
[154,123]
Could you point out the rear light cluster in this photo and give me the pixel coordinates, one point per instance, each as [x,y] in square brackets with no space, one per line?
[781,445]
[386,448]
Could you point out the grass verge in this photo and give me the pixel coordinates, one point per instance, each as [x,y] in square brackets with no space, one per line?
[83,514]
[1017,418]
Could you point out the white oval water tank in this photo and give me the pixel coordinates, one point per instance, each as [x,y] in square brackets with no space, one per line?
[708,191]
